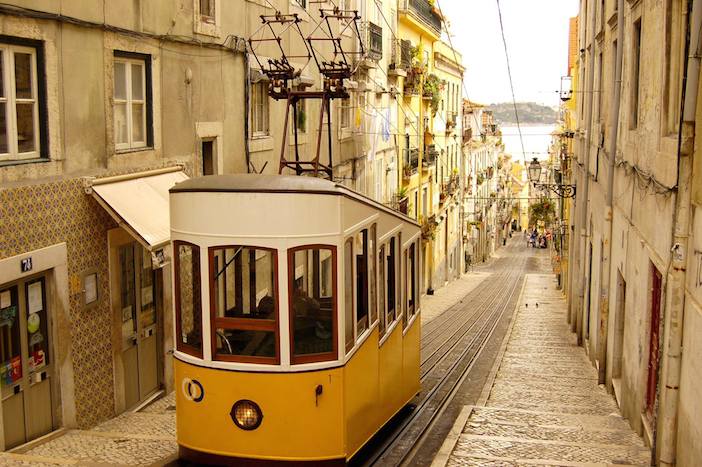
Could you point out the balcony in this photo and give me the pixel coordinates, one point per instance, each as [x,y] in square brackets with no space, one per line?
[400,57]
[411,163]
[424,13]
[374,40]
[467,134]
[430,155]
[451,121]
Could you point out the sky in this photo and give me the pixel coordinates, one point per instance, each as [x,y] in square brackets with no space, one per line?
[537,43]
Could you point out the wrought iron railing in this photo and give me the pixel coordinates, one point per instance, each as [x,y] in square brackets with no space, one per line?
[423,11]
[374,40]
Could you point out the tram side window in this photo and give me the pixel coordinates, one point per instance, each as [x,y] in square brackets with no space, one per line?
[348,294]
[405,296]
[312,284]
[244,304]
[188,298]
[361,281]
[392,302]
[381,291]
[411,280]
[372,278]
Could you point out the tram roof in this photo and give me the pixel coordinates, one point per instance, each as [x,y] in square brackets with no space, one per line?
[260,183]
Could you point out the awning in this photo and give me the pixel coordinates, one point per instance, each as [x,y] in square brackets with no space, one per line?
[139,202]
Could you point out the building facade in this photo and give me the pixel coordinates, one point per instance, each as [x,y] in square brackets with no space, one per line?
[634,300]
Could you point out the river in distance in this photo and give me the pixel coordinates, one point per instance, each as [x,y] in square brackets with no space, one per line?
[537,139]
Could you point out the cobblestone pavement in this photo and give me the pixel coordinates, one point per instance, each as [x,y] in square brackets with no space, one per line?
[146,437]
[544,406]
[447,296]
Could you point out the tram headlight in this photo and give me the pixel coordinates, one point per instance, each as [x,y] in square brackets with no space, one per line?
[246,414]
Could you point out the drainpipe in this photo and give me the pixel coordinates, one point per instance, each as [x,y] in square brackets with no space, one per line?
[586,182]
[667,427]
[607,260]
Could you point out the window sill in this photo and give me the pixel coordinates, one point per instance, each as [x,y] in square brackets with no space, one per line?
[11,162]
[133,150]
[260,143]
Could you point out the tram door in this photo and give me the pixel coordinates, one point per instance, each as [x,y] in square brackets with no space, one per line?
[135,307]
[26,364]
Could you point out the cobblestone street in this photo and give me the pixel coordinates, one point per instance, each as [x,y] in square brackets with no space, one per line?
[544,406]
[146,437]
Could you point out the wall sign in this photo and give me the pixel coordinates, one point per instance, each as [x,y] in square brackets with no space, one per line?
[26,264]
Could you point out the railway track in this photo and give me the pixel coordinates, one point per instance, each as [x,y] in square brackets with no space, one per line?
[451,344]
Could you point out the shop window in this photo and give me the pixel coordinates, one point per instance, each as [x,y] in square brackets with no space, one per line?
[312,285]
[22,101]
[361,254]
[244,304]
[188,298]
[132,111]
[10,349]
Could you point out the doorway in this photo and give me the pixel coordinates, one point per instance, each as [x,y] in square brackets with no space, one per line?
[653,347]
[209,164]
[26,368]
[587,297]
[135,286]
[617,353]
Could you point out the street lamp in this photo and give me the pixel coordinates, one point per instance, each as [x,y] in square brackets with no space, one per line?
[561,190]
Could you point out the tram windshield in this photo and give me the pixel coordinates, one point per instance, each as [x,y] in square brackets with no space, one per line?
[312,285]
[244,302]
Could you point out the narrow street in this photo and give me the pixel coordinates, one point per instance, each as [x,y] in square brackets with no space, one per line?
[543,405]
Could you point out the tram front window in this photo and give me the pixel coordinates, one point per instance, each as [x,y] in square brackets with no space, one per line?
[188,306]
[244,304]
[312,283]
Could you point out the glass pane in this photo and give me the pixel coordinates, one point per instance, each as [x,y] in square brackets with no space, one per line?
[244,283]
[138,123]
[348,293]
[391,281]
[381,290]
[312,301]
[147,316]
[3,128]
[245,343]
[207,8]
[120,80]
[25,128]
[371,275]
[37,330]
[362,280]
[10,353]
[189,304]
[121,123]
[126,290]
[2,73]
[411,279]
[23,75]
[137,81]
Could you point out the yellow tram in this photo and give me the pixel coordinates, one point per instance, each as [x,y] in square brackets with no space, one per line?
[297,318]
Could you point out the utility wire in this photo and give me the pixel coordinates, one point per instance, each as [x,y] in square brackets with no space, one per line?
[511,82]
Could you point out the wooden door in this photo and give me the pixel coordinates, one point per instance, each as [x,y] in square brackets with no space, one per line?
[654,333]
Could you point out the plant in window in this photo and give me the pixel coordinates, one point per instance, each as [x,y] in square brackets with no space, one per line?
[433,87]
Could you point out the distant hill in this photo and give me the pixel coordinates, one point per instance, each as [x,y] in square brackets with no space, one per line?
[529,112]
